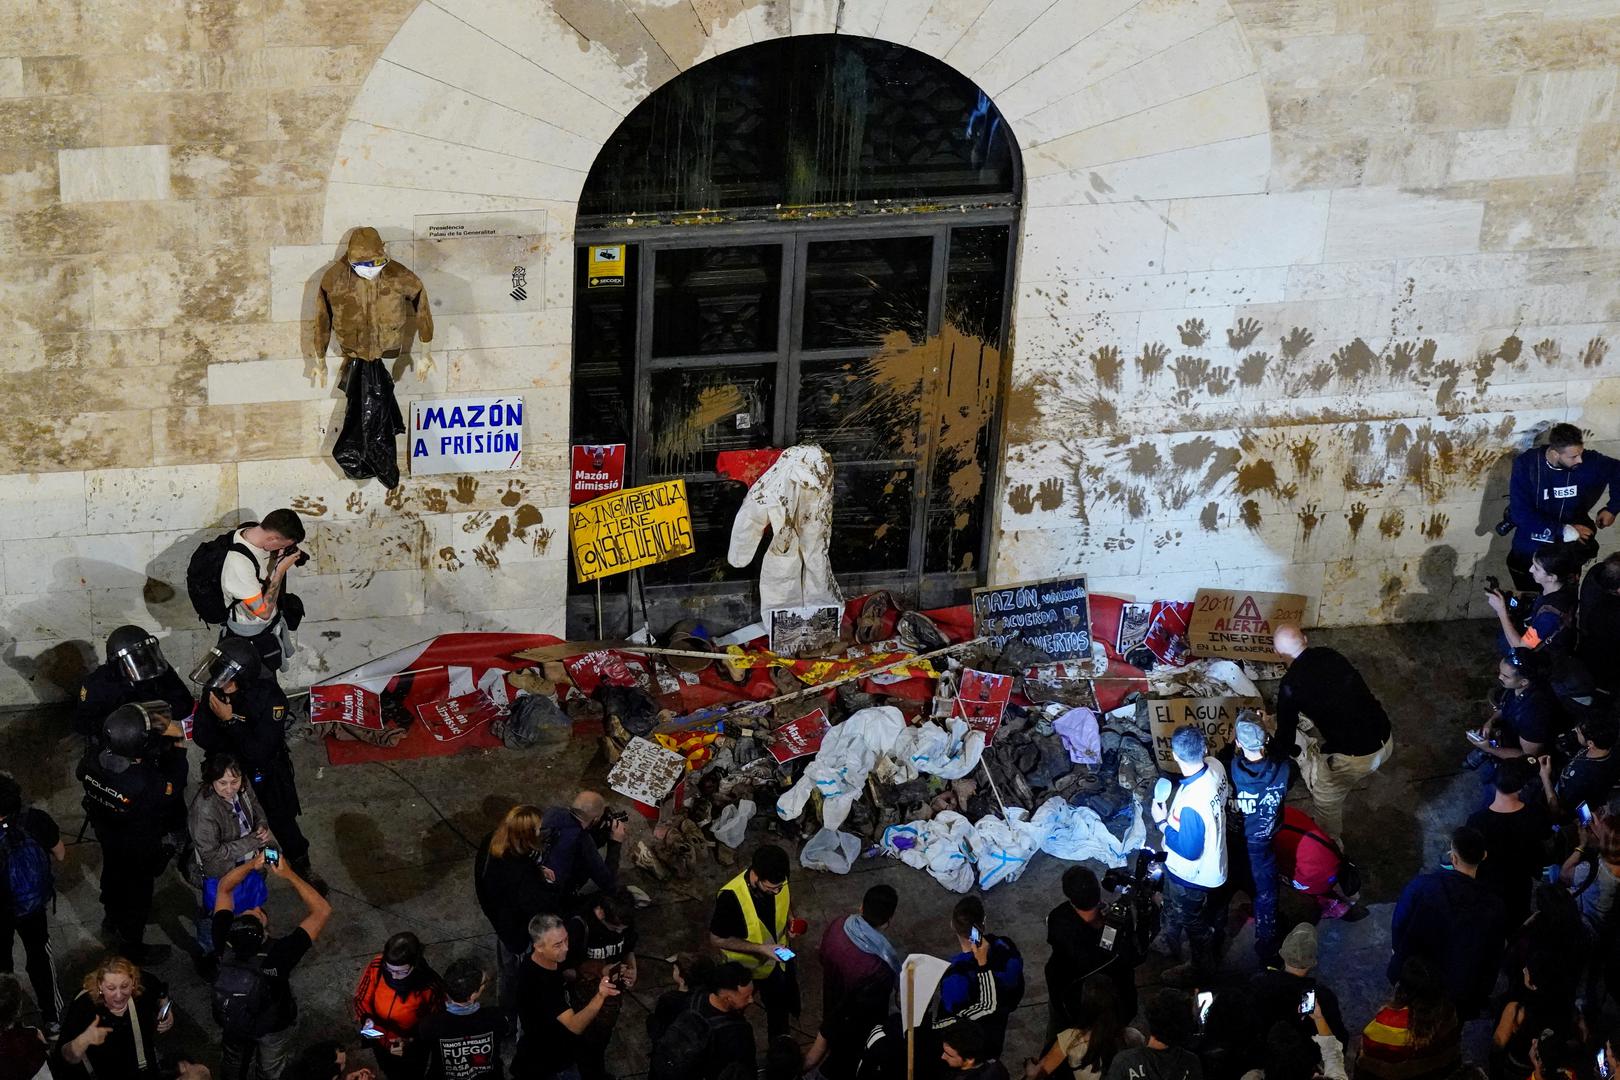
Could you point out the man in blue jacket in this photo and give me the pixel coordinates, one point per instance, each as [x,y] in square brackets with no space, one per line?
[583,845]
[1553,489]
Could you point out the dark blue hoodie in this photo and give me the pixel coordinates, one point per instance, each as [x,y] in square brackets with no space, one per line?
[1543,498]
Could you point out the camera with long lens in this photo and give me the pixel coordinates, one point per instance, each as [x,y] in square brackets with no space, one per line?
[1134,913]
[602,831]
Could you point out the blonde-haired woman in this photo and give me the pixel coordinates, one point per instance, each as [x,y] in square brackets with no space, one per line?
[110,1030]
[513,887]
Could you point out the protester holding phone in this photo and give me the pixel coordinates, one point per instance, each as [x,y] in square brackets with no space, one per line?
[985,981]
[228,828]
[1291,992]
[110,1030]
[753,919]
[397,991]
[601,940]
[551,1025]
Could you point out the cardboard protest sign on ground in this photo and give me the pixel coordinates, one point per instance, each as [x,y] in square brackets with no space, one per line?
[627,529]
[646,772]
[1214,716]
[799,738]
[451,719]
[1240,624]
[1051,615]
[344,703]
[981,700]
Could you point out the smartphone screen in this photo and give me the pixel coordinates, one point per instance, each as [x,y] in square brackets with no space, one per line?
[272,856]
[1583,814]
[1307,1003]
[1206,998]
[973,935]
[163,1012]
[370,1030]
[1603,1069]
[783,953]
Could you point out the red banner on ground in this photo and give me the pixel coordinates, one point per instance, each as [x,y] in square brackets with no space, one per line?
[799,738]
[344,703]
[458,716]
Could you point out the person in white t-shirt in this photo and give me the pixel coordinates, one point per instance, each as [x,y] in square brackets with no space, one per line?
[253,580]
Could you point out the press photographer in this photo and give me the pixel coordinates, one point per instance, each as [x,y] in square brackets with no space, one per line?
[585,840]
[1090,937]
[134,795]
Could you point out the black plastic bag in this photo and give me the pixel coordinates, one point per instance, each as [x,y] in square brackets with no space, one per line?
[365,447]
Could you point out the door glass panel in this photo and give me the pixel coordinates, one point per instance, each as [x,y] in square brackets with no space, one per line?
[969,382]
[872,510]
[697,412]
[604,354]
[857,292]
[714,300]
[857,413]
[714,505]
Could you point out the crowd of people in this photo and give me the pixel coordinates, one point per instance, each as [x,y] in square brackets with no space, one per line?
[1516,928]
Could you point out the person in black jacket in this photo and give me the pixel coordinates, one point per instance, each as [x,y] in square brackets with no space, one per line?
[513,886]
[1352,727]
[1076,932]
[1457,924]
[245,715]
[1259,784]
[135,671]
[464,1039]
[134,795]
[1599,617]
[583,844]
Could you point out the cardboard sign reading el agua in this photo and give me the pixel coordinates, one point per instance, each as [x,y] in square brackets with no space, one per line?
[1214,716]
[1239,624]
[474,434]
[636,527]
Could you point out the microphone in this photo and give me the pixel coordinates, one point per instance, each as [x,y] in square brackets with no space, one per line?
[1161,790]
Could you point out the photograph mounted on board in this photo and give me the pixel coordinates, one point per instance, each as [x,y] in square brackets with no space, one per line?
[804,631]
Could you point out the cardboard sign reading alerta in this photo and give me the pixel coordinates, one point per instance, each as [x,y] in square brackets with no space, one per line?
[1231,622]
[1214,716]
[631,528]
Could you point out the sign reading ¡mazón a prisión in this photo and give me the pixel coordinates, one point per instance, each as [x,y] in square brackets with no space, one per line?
[631,528]
[477,434]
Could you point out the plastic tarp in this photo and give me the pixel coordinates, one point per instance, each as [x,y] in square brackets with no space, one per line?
[949,752]
[831,850]
[840,768]
[1002,849]
[365,444]
[939,846]
[1076,833]
[732,825]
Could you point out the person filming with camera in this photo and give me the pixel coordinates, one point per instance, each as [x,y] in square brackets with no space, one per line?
[1192,816]
[259,605]
[585,841]
[1084,944]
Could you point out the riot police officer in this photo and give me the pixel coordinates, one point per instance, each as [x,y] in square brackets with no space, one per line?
[135,671]
[244,712]
[134,794]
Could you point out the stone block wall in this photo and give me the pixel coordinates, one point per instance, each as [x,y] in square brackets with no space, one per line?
[1295,275]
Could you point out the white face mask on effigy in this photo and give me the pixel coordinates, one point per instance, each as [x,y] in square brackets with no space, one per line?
[368,272]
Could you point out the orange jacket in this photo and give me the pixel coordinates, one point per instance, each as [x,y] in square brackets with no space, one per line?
[397,1011]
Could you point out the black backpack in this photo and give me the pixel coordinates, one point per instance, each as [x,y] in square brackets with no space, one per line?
[202,575]
[682,1051]
[244,1003]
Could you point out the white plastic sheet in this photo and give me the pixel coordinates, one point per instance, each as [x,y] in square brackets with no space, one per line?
[939,846]
[732,825]
[831,850]
[840,768]
[1076,833]
[1002,849]
[949,752]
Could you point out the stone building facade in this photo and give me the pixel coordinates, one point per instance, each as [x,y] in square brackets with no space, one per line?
[1294,277]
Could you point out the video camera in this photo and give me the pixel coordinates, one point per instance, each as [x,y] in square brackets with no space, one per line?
[1134,912]
[602,831]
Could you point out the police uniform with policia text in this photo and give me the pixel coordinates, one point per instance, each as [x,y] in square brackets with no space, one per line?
[134,794]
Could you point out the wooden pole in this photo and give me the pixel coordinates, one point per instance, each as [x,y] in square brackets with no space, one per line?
[911,1028]
[600,630]
[753,706]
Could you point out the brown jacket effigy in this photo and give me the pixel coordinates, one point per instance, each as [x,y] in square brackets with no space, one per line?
[372,318]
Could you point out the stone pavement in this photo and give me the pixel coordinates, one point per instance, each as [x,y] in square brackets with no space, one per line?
[396,842]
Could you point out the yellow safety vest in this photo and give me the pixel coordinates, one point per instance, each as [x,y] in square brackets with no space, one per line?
[757,968]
